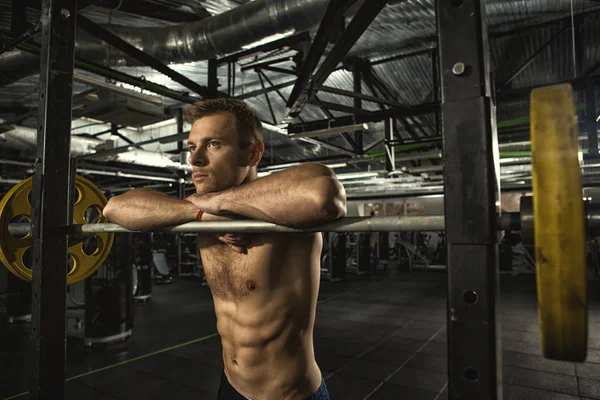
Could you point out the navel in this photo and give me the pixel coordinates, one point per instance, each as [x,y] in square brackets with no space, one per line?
[250,285]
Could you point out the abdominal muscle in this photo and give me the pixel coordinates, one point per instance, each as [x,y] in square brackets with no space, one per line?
[265,304]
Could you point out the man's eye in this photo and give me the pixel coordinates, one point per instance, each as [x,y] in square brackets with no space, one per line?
[192,149]
[214,144]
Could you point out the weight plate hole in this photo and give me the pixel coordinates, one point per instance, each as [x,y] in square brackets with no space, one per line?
[20,219]
[29,200]
[27,258]
[71,265]
[77,196]
[92,215]
[90,246]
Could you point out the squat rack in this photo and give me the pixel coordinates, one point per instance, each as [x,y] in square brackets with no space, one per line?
[471,177]
[471,187]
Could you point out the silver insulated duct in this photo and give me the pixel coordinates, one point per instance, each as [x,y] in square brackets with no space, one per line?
[25,138]
[222,34]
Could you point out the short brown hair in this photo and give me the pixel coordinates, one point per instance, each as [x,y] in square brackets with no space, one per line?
[247,123]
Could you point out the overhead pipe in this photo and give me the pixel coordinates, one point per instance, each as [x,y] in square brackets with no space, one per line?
[242,27]
[89,81]
[24,138]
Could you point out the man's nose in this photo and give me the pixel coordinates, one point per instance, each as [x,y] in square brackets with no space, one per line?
[197,157]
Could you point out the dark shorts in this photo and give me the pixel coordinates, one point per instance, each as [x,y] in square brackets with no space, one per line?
[228,392]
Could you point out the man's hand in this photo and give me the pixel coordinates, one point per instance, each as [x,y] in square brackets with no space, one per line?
[208,202]
[237,241]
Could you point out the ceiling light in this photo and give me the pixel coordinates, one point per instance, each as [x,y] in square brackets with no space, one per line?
[280,166]
[126,175]
[337,165]
[357,175]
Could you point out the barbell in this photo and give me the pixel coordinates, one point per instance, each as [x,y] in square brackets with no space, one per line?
[554,218]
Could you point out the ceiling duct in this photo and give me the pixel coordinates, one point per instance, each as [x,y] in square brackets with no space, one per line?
[24,138]
[231,31]
[122,110]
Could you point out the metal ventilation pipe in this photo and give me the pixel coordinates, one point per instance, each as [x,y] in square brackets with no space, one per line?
[25,138]
[222,34]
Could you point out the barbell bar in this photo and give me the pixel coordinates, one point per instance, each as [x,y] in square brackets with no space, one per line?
[347,224]
[507,221]
[554,220]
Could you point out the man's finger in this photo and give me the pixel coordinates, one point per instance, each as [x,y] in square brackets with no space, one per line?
[228,239]
[238,238]
[239,249]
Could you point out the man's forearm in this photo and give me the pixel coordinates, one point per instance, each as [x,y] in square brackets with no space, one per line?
[144,210]
[302,197]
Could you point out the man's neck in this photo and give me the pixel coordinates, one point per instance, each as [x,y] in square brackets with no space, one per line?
[252,175]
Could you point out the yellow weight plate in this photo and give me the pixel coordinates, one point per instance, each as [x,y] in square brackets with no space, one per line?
[85,259]
[15,203]
[559,231]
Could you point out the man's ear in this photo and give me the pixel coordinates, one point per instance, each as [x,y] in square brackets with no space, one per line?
[258,148]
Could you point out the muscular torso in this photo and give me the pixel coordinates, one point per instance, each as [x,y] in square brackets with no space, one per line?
[265,304]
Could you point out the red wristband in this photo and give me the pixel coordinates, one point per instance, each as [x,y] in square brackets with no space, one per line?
[199,215]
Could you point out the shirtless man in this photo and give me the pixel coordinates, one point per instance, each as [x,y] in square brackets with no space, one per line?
[264,286]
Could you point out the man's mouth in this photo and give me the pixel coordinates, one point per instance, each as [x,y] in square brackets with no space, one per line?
[199,177]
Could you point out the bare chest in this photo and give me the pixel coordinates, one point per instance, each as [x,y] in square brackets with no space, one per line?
[231,274]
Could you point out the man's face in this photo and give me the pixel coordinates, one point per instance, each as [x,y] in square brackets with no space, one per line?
[217,160]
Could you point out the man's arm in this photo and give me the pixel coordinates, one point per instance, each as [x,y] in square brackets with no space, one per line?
[304,196]
[143,210]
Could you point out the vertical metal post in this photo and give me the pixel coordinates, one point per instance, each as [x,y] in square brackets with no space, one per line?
[51,204]
[471,190]
[72,190]
[114,131]
[591,124]
[435,70]
[125,279]
[579,48]
[390,156]
[229,78]
[213,80]
[233,79]
[357,75]
[180,185]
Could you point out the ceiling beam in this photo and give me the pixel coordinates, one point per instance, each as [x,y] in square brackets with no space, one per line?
[334,12]
[366,97]
[373,116]
[265,90]
[357,26]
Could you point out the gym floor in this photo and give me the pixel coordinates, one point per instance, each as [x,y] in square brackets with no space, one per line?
[375,337]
